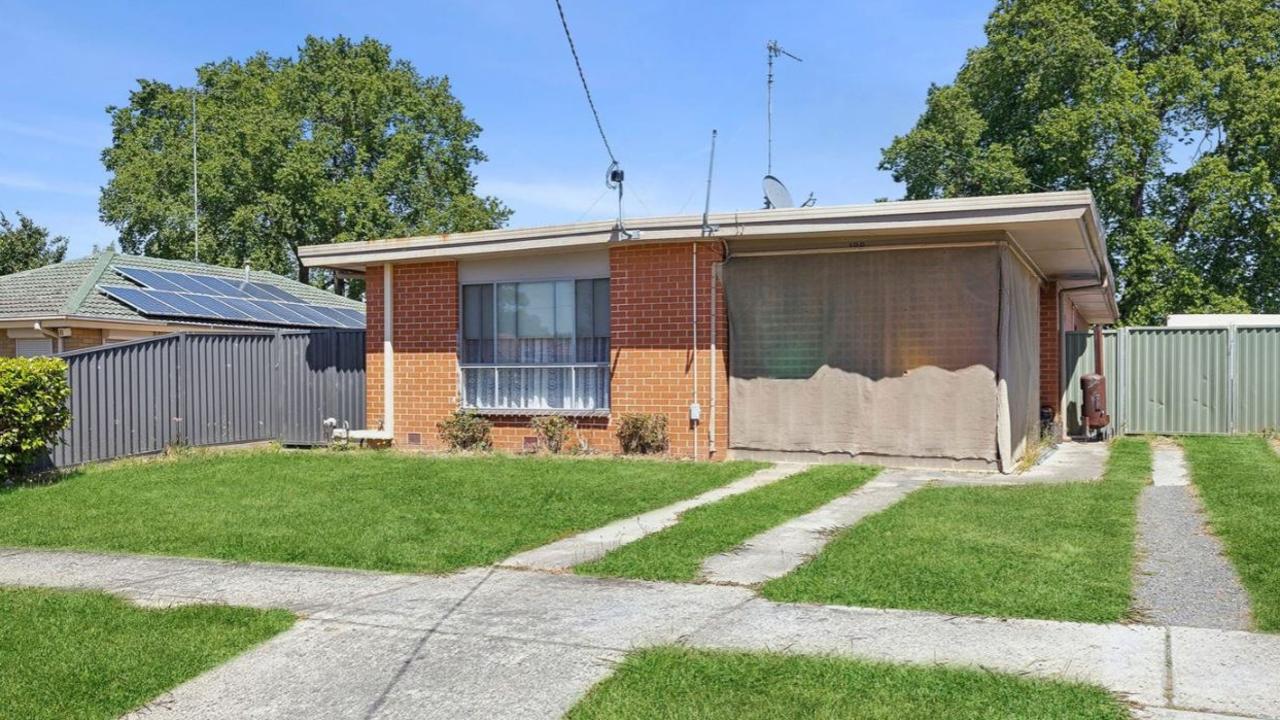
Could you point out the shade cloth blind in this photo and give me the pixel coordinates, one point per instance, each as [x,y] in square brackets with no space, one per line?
[887,353]
[1019,367]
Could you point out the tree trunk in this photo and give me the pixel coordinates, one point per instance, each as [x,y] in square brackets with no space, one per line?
[340,286]
[304,274]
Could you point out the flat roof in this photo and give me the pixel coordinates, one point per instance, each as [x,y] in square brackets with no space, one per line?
[1059,233]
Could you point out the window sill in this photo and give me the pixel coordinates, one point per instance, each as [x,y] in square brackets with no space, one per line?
[526,412]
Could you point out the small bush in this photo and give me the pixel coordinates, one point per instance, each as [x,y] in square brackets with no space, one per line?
[643,433]
[553,431]
[465,430]
[33,410]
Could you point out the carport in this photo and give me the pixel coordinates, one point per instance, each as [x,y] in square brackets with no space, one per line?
[910,338]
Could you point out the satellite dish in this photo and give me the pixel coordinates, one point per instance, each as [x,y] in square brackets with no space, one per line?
[776,194]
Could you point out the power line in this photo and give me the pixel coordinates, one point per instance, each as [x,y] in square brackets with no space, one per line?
[582,76]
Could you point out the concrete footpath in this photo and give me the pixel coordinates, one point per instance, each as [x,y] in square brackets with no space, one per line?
[501,643]
[1183,576]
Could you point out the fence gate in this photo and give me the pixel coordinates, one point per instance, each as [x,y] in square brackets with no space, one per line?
[143,396]
[1180,380]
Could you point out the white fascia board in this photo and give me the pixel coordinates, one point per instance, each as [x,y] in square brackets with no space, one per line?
[892,217]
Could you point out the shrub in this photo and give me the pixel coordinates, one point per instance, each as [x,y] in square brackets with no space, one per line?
[643,433]
[33,410]
[553,431]
[465,430]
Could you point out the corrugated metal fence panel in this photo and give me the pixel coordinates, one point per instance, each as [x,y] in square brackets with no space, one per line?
[1077,358]
[1177,380]
[228,384]
[324,378]
[123,401]
[1257,375]
[142,396]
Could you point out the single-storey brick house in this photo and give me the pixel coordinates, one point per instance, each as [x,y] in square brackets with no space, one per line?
[922,332]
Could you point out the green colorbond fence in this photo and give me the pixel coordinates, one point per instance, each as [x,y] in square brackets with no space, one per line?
[1180,380]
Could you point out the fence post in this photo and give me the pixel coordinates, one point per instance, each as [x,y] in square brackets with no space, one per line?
[182,366]
[276,423]
[1233,403]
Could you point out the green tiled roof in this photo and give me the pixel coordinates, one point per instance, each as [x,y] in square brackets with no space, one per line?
[70,288]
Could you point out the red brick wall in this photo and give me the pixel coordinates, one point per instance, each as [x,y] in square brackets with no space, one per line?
[1050,350]
[651,287]
[652,359]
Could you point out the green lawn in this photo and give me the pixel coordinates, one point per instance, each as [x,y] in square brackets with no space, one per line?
[1061,552]
[380,511]
[680,684]
[1239,481]
[82,655]
[677,553]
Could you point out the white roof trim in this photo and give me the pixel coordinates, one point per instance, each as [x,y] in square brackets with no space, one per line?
[944,216]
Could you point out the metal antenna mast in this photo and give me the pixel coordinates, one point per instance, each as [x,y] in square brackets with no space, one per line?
[774,50]
[195,174]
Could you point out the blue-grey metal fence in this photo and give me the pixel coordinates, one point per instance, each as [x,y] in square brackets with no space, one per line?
[143,396]
[1169,380]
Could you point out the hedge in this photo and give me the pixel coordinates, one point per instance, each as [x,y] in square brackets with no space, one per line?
[33,410]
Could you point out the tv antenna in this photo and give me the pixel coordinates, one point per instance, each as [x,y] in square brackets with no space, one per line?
[774,50]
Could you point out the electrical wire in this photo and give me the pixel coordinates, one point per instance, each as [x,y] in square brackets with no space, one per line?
[583,76]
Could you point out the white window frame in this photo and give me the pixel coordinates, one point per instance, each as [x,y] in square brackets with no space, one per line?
[573,367]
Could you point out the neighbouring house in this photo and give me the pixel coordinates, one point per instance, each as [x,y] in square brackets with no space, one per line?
[111,297]
[922,332]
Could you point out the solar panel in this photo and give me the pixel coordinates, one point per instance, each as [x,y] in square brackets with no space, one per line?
[354,316]
[283,311]
[313,313]
[187,304]
[275,292]
[335,320]
[223,311]
[140,300]
[177,294]
[148,278]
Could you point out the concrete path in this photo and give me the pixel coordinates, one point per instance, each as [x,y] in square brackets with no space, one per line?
[595,544]
[1183,576]
[497,643]
[1070,461]
[783,548]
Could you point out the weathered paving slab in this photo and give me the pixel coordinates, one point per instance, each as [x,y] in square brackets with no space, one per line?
[101,571]
[1225,671]
[595,544]
[316,670]
[1123,658]
[494,679]
[621,614]
[781,549]
[1070,461]
[1173,714]
[1183,576]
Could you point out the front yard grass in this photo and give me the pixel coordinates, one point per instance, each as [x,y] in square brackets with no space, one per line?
[676,553]
[90,656]
[1239,481]
[378,511]
[681,684]
[1061,552]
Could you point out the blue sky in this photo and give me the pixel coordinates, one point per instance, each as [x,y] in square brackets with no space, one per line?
[663,75]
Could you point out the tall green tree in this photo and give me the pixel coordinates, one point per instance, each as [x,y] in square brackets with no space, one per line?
[341,143]
[26,245]
[1166,109]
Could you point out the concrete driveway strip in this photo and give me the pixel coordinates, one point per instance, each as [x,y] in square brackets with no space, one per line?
[1183,575]
[595,544]
[781,549]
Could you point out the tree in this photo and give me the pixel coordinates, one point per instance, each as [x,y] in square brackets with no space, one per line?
[27,245]
[1164,109]
[342,143]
